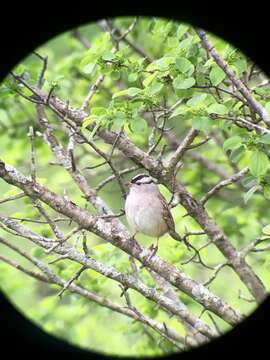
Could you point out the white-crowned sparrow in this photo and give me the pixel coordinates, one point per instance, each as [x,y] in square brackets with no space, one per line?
[146,209]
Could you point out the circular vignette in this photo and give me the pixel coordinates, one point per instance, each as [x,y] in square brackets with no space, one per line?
[236,329]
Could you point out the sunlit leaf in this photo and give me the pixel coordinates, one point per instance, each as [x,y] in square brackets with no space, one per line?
[196,99]
[250,192]
[184,65]
[202,123]
[89,68]
[266,230]
[138,124]
[216,75]
[259,163]
[232,143]
[182,84]
[219,109]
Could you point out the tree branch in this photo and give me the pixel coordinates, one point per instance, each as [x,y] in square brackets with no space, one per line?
[257,107]
[234,178]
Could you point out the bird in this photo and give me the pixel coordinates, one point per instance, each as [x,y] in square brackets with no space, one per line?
[147,211]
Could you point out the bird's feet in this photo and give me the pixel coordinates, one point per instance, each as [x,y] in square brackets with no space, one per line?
[154,250]
[133,236]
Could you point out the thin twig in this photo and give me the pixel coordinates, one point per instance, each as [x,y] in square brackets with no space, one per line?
[112,177]
[182,148]
[214,275]
[92,91]
[11,198]
[234,178]
[33,154]
[69,282]
[40,81]
[76,33]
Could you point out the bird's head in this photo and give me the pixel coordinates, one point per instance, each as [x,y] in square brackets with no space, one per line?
[142,181]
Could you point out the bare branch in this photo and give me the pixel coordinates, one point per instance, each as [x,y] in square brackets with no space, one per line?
[182,148]
[112,177]
[242,123]
[59,235]
[43,70]
[214,275]
[31,273]
[12,198]
[74,277]
[257,107]
[92,91]
[82,39]
[33,155]
[234,178]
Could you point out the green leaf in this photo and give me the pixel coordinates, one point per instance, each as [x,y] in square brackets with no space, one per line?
[185,44]
[249,181]
[267,107]
[202,123]
[120,93]
[138,124]
[173,42]
[182,84]
[147,81]
[132,77]
[182,29]
[196,99]
[266,191]
[180,110]
[241,66]
[88,69]
[98,110]
[217,75]
[216,108]
[3,116]
[20,69]
[89,120]
[97,125]
[184,65]
[164,62]
[108,56]
[266,230]
[118,121]
[184,93]
[232,143]
[258,163]
[265,139]
[130,92]
[115,75]
[88,58]
[237,153]
[154,88]
[133,91]
[250,192]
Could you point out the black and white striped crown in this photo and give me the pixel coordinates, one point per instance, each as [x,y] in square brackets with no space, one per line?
[142,179]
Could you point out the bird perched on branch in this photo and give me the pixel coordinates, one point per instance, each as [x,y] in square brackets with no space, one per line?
[147,210]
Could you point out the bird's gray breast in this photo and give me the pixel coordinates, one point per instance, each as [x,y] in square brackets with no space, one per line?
[144,214]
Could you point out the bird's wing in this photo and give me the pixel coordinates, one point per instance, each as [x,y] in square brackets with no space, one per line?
[166,213]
